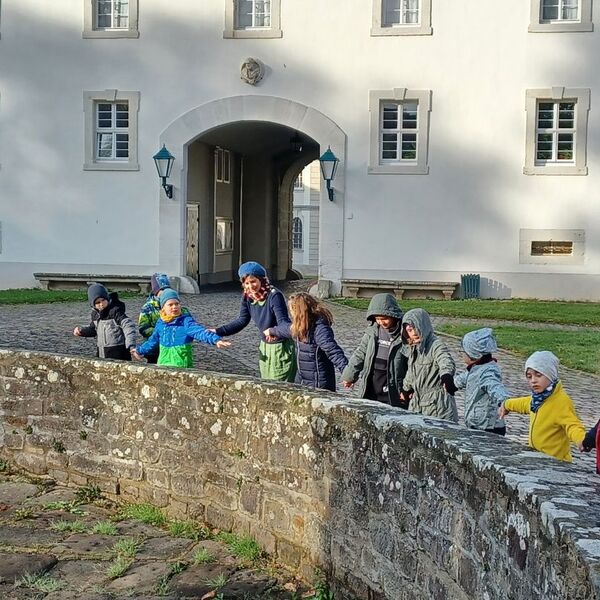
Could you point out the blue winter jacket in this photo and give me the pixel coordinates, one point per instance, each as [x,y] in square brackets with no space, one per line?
[317,357]
[175,341]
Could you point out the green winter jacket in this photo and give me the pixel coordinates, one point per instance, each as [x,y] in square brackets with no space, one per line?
[360,365]
[427,362]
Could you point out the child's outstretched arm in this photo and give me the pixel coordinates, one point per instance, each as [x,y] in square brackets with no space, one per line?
[129,330]
[89,331]
[460,380]
[202,334]
[492,384]
[589,441]
[520,405]
[150,346]
[282,329]
[572,424]
[446,366]
[356,363]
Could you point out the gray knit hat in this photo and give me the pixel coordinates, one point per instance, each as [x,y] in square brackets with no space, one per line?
[544,362]
[95,291]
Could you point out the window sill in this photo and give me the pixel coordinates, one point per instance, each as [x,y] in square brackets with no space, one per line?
[111,166]
[252,33]
[110,34]
[398,170]
[403,30]
[560,27]
[555,170]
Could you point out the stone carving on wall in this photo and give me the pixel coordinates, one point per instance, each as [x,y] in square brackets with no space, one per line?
[252,71]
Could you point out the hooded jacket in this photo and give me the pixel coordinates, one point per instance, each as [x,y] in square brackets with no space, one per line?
[174,340]
[484,391]
[427,362]
[114,330]
[360,365]
[554,425]
[317,356]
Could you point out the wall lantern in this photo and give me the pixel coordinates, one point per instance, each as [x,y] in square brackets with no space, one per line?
[329,163]
[163,160]
[296,143]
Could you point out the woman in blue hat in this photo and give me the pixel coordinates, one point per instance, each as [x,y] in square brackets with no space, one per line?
[265,305]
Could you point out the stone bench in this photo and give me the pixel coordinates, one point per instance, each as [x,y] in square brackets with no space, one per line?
[79,281]
[353,287]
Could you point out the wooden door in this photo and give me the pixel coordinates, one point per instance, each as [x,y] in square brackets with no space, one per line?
[192,242]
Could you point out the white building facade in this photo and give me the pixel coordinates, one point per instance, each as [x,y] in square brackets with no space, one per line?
[305,220]
[466,138]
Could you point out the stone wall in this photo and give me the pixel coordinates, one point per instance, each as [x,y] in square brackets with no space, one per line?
[390,504]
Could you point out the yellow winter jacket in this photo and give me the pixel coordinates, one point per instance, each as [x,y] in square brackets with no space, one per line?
[553,425]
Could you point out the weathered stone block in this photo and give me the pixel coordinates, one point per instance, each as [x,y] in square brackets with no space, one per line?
[218,517]
[187,484]
[31,463]
[157,477]
[250,496]
[290,553]
[276,515]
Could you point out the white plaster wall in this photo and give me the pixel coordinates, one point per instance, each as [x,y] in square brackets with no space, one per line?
[464,216]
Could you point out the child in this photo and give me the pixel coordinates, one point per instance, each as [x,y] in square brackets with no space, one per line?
[174,333]
[553,422]
[316,349]
[150,311]
[265,305]
[112,328]
[378,363]
[429,381]
[482,382]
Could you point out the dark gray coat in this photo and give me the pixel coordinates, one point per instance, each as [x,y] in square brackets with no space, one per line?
[360,365]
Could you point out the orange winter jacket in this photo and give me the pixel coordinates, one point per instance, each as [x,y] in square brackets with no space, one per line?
[553,425]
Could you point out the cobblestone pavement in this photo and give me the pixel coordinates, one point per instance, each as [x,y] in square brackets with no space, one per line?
[48,327]
[65,544]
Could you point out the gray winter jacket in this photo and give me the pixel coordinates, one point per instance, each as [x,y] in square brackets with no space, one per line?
[484,392]
[360,365]
[427,362]
[482,383]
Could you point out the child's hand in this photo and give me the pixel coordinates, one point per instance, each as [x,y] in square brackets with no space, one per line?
[348,384]
[581,447]
[406,395]
[211,329]
[269,337]
[502,411]
[77,331]
[448,384]
[136,355]
[223,344]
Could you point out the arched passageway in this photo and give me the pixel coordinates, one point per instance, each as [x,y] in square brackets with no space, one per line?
[233,191]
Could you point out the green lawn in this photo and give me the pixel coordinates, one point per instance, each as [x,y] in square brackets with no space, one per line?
[576,349]
[542,311]
[37,296]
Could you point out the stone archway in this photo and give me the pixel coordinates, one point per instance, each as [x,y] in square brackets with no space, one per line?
[218,113]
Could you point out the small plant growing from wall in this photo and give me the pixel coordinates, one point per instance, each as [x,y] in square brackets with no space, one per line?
[58,446]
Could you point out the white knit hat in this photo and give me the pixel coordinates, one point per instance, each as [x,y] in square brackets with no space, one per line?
[544,362]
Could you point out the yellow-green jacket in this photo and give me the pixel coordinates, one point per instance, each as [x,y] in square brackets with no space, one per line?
[553,425]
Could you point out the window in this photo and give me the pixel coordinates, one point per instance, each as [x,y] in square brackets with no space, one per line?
[297,243]
[560,15]
[399,131]
[222,165]
[111,130]
[298,185]
[401,17]
[110,19]
[552,246]
[252,19]
[556,131]
[224,235]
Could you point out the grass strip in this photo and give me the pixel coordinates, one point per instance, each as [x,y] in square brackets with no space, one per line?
[576,349]
[537,311]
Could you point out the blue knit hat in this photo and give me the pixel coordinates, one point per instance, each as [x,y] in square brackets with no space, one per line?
[251,268]
[95,291]
[168,294]
[159,281]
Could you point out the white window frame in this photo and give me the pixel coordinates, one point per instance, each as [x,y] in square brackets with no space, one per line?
[377,98]
[222,165]
[378,27]
[576,236]
[231,32]
[90,30]
[298,183]
[90,101]
[226,225]
[584,23]
[581,97]
[298,234]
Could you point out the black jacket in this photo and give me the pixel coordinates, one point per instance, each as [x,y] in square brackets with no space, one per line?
[317,356]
